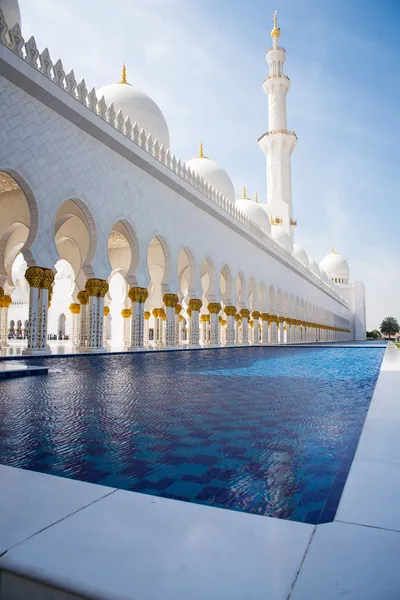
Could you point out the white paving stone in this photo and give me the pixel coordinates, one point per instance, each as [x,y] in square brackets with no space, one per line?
[131,545]
[350,562]
[32,501]
[371,495]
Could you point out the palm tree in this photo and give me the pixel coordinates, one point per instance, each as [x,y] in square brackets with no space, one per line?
[389,326]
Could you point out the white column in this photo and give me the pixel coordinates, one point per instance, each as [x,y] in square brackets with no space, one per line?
[38,278]
[264,328]
[83,298]
[146,318]
[178,309]
[106,312]
[230,312]
[5,302]
[170,301]
[273,330]
[96,289]
[195,305]
[256,333]
[126,314]
[138,297]
[75,310]
[245,313]
[214,309]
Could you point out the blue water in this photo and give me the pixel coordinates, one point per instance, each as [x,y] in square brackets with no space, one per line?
[270,431]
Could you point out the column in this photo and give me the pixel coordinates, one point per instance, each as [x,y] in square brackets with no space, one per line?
[181,319]
[106,312]
[214,309]
[256,333]
[237,328]
[230,312]
[75,310]
[177,317]
[195,305]
[154,312]
[146,317]
[138,297]
[273,329]
[162,318]
[170,301]
[5,302]
[245,313]
[126,315]
[100,312]
[264,328]
[96,289]
[280,330]
[83,298]
[39,280]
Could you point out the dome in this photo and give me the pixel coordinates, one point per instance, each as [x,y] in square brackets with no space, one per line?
[138,106]
[11,14]
[301,255]
[282,238]
[213,174]
[336,267]
[254,211]
[314,268]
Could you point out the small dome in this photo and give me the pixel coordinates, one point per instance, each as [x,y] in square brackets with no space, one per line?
[301,255]
[314,268]
[282,238]
[138,106]
[336,267]
[11,13]
[213,174]
[254,211]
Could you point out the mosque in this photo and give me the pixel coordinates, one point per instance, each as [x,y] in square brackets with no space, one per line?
[108,238]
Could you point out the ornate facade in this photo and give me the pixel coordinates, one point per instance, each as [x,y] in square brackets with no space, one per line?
[107,237]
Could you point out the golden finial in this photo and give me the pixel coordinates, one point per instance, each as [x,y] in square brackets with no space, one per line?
[276,32]
[256,197]
[244,192]
[333,250]
[123,75]
[201,153]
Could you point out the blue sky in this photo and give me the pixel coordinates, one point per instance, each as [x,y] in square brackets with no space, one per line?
[203,62]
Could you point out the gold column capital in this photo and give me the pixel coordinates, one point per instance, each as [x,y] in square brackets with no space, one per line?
[195,304]
[146,315]
[256,314]
[106,311]
[245,313]
[75,308]
[178,309]
[138,294]
[214,308]
[170,300]
[230,311]
[83,297]
[34,276]
[126,313]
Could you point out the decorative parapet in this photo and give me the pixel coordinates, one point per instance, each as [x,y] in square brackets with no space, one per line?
[41,61]
[278,48]
[275,131]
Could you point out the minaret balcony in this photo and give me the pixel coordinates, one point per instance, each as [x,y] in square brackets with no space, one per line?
[276,77]
[277,132]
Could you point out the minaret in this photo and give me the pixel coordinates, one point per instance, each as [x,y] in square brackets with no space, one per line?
[278,142]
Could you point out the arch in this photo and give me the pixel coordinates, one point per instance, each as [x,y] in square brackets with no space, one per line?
[240,288]
[75,237]
[208,278]
[187,274]
[11,181]
[123,250]
[279,302]
[159,268]
[253,296]
[226,285]
[272,299]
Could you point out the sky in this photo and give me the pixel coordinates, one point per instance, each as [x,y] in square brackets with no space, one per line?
[203,62]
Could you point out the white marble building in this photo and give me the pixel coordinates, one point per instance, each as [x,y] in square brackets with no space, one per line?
[107,237]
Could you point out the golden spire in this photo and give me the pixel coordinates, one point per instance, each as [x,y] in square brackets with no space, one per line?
[244,193]
[256,197]
[276,32]
[123,75]
[333,250]
[201,153]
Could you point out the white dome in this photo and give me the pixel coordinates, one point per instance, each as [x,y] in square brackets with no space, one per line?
[335,266]
[213,174]
[282,238]
[252,209]
[139,107]
[11,14]
[301,255]
[314,268]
